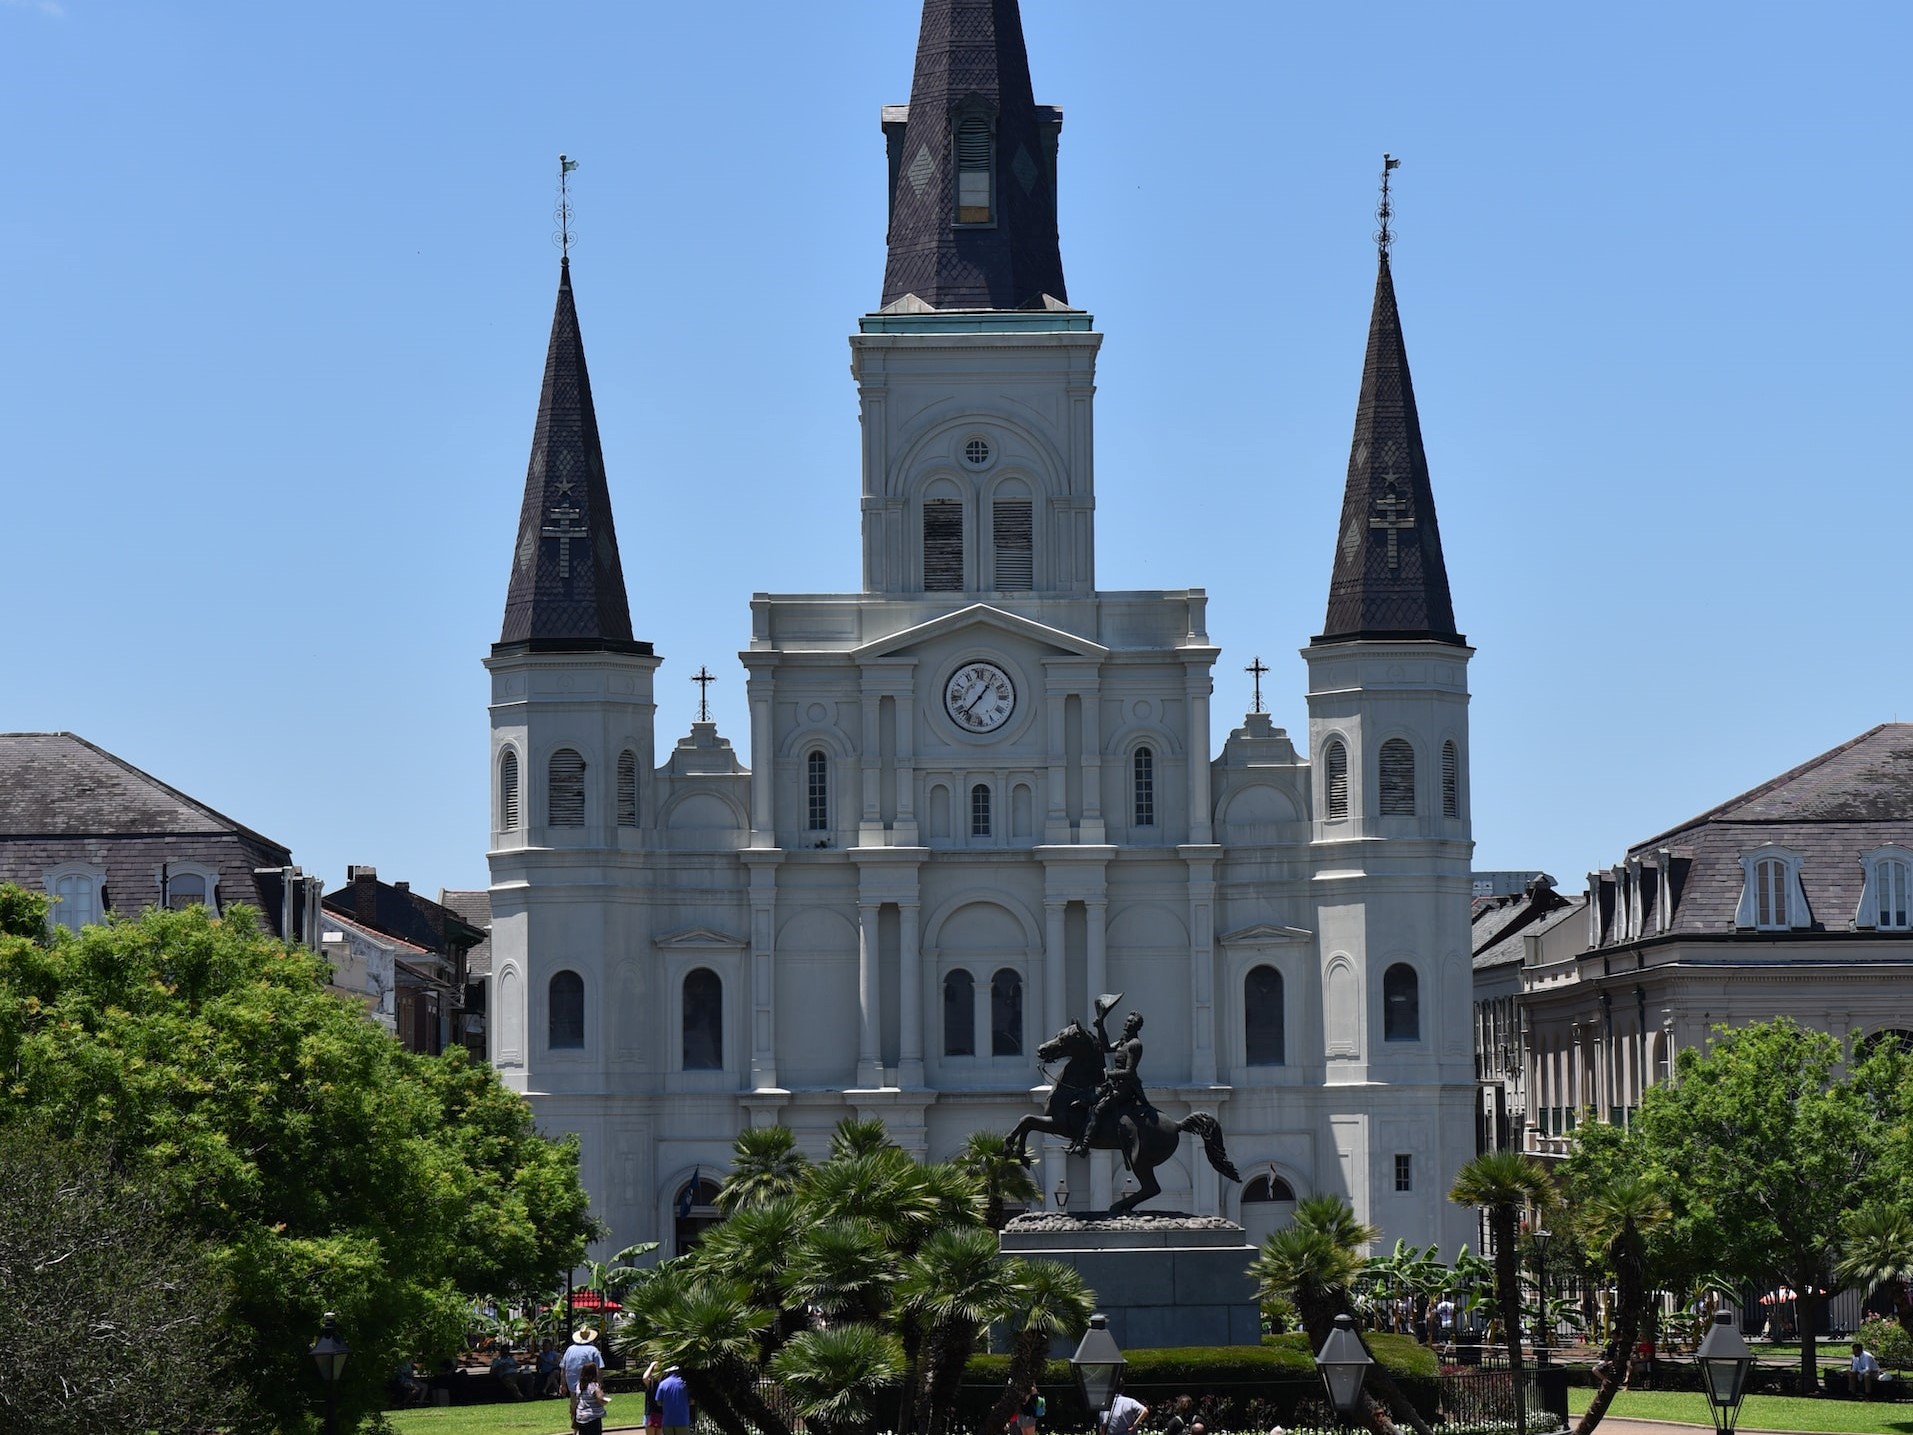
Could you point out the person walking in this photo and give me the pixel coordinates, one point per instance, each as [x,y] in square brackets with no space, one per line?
[588,1404]
[674,1401]
[583,1347]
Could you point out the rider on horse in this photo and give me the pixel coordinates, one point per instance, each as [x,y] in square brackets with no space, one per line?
[1123,1085]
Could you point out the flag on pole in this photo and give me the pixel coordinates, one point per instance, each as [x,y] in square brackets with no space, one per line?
[688,1196]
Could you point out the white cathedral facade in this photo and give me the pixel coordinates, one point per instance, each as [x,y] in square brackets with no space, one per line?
[982,790]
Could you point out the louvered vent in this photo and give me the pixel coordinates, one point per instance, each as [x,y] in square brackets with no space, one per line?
[508,791]
[973,145]
[566,789]
[943,546]
[1398,779]
[627,789]
[1335,761]
[1450,781]
[1010,524]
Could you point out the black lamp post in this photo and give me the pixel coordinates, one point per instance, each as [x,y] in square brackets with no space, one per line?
[1098,1366]
[1724,1361]
[329,1353]
[1540,1239]
[1344,1362]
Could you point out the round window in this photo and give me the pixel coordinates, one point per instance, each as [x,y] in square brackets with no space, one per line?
[977,451]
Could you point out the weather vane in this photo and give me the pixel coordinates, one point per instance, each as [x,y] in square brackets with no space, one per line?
[1256,669]
[703,677]
[1384,237]
[563,214]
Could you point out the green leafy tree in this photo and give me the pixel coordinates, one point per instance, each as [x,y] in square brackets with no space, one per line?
[323,1167]
[1504,1183]
[1757,1141]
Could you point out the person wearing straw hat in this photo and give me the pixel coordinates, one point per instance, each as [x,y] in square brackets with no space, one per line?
[583,1347]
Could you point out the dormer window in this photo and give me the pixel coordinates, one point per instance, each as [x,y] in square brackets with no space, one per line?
[1886,899]
[1772,899]
[976,187]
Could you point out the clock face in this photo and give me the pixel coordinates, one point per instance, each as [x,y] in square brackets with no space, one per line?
[979,697]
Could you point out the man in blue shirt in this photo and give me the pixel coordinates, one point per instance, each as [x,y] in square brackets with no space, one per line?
[674,1399]
[583,1347]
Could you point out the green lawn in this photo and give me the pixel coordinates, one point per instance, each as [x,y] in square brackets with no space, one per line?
[1760,1412]
[536,1417]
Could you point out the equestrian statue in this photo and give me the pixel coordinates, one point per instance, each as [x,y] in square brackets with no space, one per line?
[1099,1104]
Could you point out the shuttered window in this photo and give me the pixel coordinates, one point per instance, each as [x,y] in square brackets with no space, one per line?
[942,546]
[1892,883]
[1335,784]
[1010,531]
[1770,894]
[817,792]
[1145,765]
[508,791]
[565,789]
[1450,781]
[973,147]
[627,788]
[979,811]
[1398,778]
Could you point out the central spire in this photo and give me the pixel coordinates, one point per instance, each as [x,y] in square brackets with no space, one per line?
[973,169]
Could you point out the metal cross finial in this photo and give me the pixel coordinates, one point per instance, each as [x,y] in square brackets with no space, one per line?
[1256,669]
[1384,237]
[703,677]
[563,216]
[564,531]
[1391,504]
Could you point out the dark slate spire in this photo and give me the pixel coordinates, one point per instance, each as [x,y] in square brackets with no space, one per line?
[971,65]
[567,588]
[1389,580]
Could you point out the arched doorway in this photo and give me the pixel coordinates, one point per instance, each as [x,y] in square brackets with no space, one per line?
[695,1211]
[1268,1204]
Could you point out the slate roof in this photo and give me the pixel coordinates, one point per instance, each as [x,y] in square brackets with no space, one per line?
[64,799]
[1830,809]
[1496,934]
[567,589]
[394,909]
[1512,945]
[475,908]
[970,57]
[1389,580]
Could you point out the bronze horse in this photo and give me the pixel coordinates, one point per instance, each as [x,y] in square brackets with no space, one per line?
[1143,1134]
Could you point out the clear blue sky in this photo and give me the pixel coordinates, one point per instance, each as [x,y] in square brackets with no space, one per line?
[278,278]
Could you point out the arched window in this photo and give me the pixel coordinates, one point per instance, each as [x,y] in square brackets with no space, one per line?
[1262,1017]
[565,789]
[980,810]
[76,901]
[1268,1204]
[1006,1013]
[508,791]
[1335,779]
[942,545]
[1398,778]
[694,1211]
[1891,879]
[1401,1004]
[959,1014]
[627,788]
[1770,894]
[1145,784]
[817,791]
[703,1021]
[1013,543]
[1267,1188]
[185,889]
[974,148]
[1450,780]
[567,1012]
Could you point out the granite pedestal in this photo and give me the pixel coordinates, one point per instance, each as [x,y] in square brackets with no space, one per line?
[1163,1279]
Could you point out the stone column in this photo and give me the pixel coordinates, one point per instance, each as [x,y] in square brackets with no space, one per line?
[870,824]
[1055,997]
[763,765]
[1202,1010]
[869,1000]
[1056,814]
[763,977]
[906,820]
[1096,931]
[1197,686]
[1092,828]
[909,997]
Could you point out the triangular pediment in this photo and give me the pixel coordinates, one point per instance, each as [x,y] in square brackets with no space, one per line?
[981,615]
[701,939]
[1266,934]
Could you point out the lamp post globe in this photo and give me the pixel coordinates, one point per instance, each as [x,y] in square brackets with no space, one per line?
[1343,1362]
[1062,1193]
[1724,1361]
[1541,1238]
[328,1353]
[1098,1366]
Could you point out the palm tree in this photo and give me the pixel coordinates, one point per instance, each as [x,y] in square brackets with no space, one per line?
[1051,1300]
[1003,1177]
[1503,1183]
[854,1137]
[883,1188]
[835,1376]
[714,1331]
[841,1268]
[765,1164]
[1614,1221]
[952,1288]
[1876,1247]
